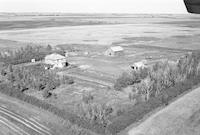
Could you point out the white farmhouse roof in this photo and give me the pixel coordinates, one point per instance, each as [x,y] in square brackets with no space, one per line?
[140,64]
[116,48]
[55,56]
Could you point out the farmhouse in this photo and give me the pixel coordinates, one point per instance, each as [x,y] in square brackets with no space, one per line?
[56,60]
[139,65]
[114,51]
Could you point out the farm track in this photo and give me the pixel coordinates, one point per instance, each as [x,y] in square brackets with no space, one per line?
[28,64]
[12,127]
[89,84]
[94,76]
[30,124]
[90,79]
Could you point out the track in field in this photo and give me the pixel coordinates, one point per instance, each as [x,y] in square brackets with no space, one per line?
[89,79]
[30,124]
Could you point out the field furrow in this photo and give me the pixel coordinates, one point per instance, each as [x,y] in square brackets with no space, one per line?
[15,129]
[80,77]
[35,126]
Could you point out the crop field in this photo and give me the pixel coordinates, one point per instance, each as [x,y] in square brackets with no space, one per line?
[19,118]
[143,37]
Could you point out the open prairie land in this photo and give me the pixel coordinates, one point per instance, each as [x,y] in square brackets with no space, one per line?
[172,31]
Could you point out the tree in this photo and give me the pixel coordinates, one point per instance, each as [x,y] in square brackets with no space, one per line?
[10,68]
[49,47]
[11,77]
[46,93]
[87,98]
[126,79]
[145,88]
[3,72]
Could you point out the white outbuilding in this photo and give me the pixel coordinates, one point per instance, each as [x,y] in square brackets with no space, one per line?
[115,51]
[56,60]
[139,65]
[33,60]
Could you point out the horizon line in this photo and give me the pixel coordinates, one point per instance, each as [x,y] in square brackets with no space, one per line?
[60,12]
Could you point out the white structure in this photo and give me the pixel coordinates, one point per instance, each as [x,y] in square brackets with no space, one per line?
[139,65]
[84,67]
[86,53]
[5,54]
[115,51]
[33,60]
[57,60]
[66,54]
[72,54]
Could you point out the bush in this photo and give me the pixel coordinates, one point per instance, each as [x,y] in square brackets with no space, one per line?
[127,79]
[87,98]
[95,113]
[123,81]
[3,72]
[46,93]
[67,80]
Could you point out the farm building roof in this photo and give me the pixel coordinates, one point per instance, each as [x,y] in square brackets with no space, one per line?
[55,56]
[140,64]
[116,48]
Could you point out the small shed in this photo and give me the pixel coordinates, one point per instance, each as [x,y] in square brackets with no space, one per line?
[139,65]
[33,60]
[114,51]
[56,60]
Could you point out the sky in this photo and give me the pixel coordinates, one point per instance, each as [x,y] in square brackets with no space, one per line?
[94,6]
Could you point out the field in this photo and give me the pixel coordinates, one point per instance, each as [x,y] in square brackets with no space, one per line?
[143,37]
[17,118]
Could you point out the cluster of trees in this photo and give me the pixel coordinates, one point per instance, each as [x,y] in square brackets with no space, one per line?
[34,77]
[93,112]
[26,54]
[151,82]
[163,82]
[164,75]
[127,79]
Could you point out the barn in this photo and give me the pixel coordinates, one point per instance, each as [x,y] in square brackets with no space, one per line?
[114,51]
[56,60]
